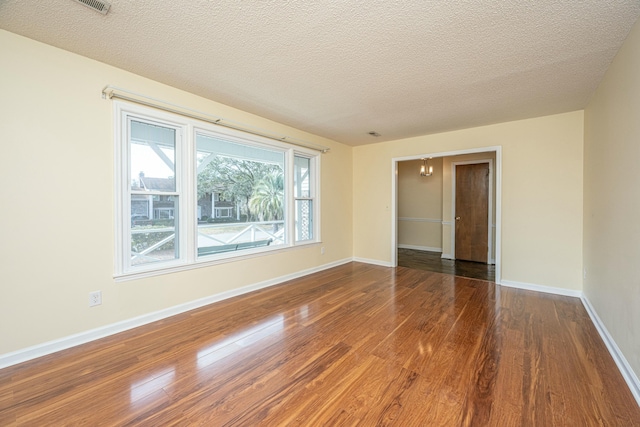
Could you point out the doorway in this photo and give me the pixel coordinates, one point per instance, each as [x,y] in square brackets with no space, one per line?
[406,223]
[432,261]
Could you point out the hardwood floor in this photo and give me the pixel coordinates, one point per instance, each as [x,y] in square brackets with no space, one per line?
[354,345]
[432,261]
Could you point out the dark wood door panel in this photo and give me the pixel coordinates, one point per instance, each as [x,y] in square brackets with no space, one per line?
[472,212]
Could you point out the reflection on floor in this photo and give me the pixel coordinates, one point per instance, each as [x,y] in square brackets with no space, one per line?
[432,261]
[357,344]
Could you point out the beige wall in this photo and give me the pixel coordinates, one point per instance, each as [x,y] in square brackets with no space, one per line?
[541,194]
[420,206]
[57,215]
[612,200]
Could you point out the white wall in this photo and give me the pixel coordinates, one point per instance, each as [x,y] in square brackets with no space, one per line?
[612,200]
[57,217]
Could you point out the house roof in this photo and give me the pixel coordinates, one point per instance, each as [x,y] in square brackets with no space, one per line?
[341,69]
[157,184]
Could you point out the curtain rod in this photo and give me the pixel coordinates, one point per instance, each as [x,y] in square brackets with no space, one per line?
[111,92]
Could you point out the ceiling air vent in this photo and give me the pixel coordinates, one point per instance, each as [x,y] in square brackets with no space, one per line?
[97,5]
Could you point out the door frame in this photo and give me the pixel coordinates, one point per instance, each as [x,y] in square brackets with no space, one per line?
[490,259]
[498,175]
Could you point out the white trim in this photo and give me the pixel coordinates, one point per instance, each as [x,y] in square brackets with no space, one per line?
[625,369]
[623,365]
[542,288]
[489,201]
[120,187]
[497,261]
[125,116]
[219,259]
[446,223]
[448,256]
[187,130]
[29,353]
[394,213]
[498,178]
[317,179]
[373,262]
[451,153]
[420,248]
[289,202]
[435,220]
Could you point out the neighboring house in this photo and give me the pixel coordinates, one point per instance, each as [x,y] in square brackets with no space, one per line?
[150,207]
[213,205]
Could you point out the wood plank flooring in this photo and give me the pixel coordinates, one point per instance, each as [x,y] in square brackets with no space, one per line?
[432,261]
[354,345]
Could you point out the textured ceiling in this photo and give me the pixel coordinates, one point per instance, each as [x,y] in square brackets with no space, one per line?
[341,68]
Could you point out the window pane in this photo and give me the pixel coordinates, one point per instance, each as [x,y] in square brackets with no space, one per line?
[302,190]
[153,228]
[152,157]
[304,220]
[240,196]
[302,177]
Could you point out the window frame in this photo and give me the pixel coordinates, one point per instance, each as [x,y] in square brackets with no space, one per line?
[186,188]
[313,194]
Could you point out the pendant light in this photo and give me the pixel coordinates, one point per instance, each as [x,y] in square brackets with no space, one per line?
[426,169]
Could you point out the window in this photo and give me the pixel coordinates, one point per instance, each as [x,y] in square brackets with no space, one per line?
[190,193]
[247,179]
[154,201]
[303,199]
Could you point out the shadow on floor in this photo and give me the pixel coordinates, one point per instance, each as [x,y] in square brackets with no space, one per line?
[432,261]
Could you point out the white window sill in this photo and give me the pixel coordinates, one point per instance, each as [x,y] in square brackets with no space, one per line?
[207,261]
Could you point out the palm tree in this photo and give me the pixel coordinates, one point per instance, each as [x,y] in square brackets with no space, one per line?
[234,178]
[267,200]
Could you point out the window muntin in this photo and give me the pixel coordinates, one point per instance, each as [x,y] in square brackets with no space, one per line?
[159,213]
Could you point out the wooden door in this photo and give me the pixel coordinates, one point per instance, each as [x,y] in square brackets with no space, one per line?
[472,212]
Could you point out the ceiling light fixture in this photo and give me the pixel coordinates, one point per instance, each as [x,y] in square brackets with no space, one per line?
[426,169]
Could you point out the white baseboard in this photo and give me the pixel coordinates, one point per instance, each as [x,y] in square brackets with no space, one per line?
[541,288]
[372,261]
[420,248]
[447,256]
[23,355]
[623,366]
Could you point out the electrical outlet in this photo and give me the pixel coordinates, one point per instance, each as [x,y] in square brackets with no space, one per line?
[95,298]
[322,250]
